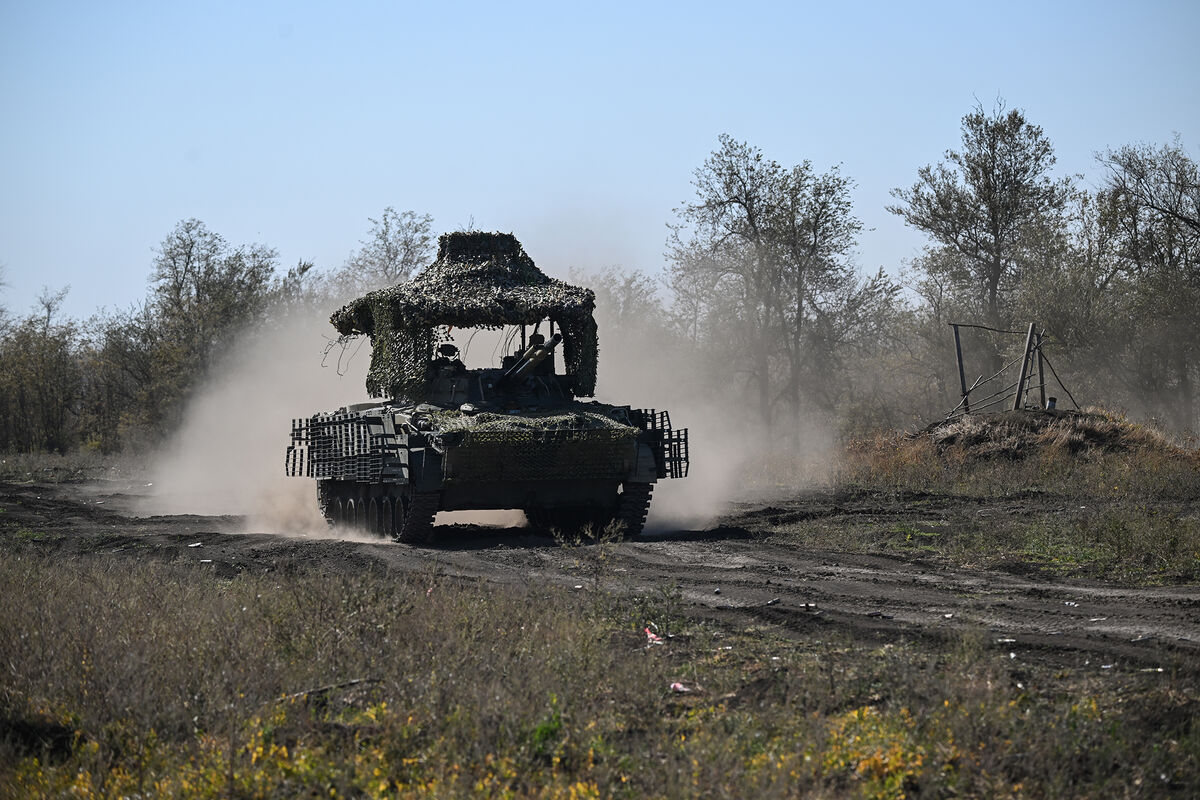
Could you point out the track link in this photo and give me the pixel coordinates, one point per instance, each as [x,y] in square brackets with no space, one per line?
[327,502]
[632,507]
[417,525]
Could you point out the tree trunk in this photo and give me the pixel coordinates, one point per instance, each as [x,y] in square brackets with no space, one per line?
[993,311]
[1187,401]
[797,359]
[762,369]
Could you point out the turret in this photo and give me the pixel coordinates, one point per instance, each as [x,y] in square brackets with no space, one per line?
[528,361]
[479,280]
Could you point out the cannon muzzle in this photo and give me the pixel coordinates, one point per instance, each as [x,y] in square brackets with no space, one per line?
[528,361]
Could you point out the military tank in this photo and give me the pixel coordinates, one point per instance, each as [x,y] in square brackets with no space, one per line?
[515,435]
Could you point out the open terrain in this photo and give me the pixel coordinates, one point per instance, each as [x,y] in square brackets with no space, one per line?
[932,626]
[746,568]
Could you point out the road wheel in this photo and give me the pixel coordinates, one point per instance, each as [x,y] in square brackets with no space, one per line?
[387,517]
[374,517]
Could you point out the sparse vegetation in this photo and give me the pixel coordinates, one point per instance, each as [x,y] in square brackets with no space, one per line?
[1096,454]
[73,467]
[157,679]
[1090,495]
[162,681]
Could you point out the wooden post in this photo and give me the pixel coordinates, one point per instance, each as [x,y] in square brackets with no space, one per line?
[1024,370]
[1041,373]
[962,378]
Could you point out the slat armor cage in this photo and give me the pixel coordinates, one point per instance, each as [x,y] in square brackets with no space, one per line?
[670,447]
[351,446]
[345,447]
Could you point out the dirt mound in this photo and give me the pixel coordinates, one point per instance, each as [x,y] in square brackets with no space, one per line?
[1015,434]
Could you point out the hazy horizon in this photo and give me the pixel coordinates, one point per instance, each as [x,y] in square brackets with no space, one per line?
[577,129]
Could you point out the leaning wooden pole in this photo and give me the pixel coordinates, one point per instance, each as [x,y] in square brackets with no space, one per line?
[1024,370]
[962,378]
[1041,373]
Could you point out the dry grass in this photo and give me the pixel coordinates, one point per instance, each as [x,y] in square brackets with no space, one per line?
[1089,494]
[1016,433]
[82,465]
[1131,544]
[163,681]
[1095,454]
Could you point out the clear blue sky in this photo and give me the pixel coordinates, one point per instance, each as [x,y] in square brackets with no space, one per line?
[575,126]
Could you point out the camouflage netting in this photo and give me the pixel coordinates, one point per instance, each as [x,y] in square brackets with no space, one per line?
[531,421]
[547,445]
[479,280]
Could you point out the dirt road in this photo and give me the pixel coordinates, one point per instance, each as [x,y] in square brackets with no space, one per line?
[740,571]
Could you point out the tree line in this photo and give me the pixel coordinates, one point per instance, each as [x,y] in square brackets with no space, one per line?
[761,305]
[765,290]
[123,379]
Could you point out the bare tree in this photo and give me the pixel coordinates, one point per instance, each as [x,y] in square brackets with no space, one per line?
[122,401]
[204,294]
[728,235]
[41,380]
[1163,181]
[817,230]
[1152,210]
[204,290]
[397,244]
[630,299]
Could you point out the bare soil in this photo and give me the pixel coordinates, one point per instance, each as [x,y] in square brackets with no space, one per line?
[741,571]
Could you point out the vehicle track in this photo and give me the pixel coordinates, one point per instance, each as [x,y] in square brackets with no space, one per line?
[741,573]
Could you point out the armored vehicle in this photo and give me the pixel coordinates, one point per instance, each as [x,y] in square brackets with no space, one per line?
[515,435]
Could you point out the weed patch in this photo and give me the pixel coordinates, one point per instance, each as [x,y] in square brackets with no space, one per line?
[1084,495]
[163,681]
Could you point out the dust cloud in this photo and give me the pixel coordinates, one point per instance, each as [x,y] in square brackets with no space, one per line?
[732,457]
[228,455]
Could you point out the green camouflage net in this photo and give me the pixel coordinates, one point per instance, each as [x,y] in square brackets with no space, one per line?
[552,456]
[486,422]
[545,445]
[479,280]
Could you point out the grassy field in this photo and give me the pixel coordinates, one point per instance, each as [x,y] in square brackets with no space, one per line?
[1092,496]
[129,679]
[162,682]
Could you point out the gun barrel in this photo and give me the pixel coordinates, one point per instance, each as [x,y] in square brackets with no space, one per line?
[530,359]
